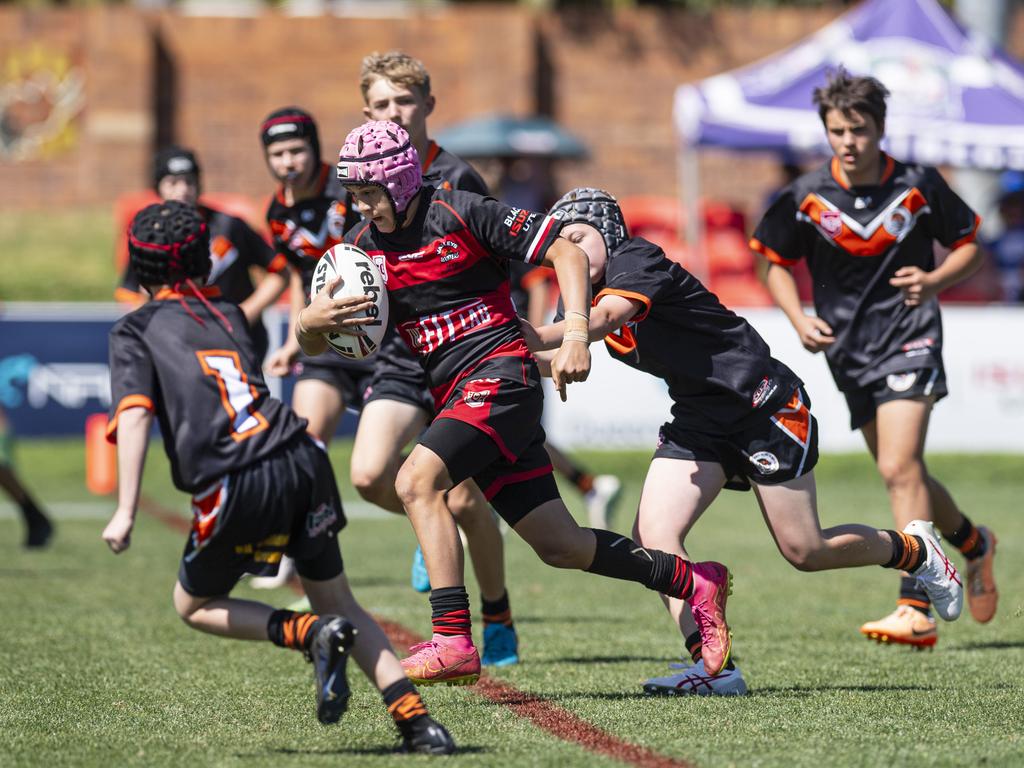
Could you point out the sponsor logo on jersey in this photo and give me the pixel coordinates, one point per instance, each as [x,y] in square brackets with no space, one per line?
[426,334]
[897,221]
[766,462]
[901,382]
[517,220]
[415,256]
[448,250]
[320,520]
[832,223]
[764,390]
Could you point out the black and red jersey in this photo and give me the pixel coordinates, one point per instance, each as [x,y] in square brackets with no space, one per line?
[720,372]
[447,171]
[448,278]
[304,231]
[205,385]
[854,239]
[234,247]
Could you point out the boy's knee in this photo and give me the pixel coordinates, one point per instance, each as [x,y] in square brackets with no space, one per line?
[371,484]
[900,473]
[415,487]
[806,558]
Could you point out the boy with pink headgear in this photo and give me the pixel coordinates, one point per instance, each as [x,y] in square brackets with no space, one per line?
[445,254]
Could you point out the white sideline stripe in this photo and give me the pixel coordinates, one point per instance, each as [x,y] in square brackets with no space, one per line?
[102,510]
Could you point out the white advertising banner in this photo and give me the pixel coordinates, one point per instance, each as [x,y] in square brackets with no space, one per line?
[618,407]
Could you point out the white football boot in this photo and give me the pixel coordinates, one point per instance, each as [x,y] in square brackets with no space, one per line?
[937,575]
[694,682]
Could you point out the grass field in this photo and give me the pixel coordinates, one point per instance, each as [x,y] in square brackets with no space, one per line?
[96,669]
[78,245]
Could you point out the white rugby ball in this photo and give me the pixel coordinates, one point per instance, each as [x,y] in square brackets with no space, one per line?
[360,275]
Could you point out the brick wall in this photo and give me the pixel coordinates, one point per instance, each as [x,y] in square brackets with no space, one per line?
[612,78]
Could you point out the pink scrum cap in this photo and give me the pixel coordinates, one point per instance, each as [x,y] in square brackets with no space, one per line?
[380,152]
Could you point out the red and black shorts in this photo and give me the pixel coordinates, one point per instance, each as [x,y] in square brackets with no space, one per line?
[489,429]
[905,385]
[285,504]
[775,450]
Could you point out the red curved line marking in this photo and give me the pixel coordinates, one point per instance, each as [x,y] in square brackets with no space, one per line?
[546,716]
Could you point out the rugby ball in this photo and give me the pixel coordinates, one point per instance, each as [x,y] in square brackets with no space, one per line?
[360,274]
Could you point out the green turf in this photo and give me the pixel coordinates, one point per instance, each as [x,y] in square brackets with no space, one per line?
[96,669]
[69,257]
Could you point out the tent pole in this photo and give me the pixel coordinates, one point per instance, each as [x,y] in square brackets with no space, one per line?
[690,218]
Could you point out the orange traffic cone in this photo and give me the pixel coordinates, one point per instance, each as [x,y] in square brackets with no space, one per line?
[100,457]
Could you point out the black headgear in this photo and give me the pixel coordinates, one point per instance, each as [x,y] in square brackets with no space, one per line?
[174,161]
[169,243]
[290,123]
[597,208]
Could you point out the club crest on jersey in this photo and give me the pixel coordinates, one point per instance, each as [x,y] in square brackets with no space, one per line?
[766,462]
[448,250]
[382,266]
[897,221]
[832,223]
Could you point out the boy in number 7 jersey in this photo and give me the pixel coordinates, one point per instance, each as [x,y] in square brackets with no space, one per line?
[445,256]
[262,488]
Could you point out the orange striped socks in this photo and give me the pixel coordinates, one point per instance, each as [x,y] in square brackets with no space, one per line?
[404,703]
[496,611]
[968,540]
[908,552]
[288,629]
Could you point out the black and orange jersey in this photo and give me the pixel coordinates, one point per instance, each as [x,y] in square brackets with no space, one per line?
[304,231]
[204,383]
[444,170]
[447,171]
[720,373]
[447,277]
[854,239]
[234,248]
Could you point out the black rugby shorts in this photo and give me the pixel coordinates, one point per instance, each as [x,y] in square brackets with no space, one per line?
[287,503]
[905,385]
[777,449]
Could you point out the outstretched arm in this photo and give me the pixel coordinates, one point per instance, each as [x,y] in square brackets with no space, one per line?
[611,313]
[572,362]
[133,425]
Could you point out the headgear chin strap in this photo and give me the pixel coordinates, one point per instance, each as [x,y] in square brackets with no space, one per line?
[597,208]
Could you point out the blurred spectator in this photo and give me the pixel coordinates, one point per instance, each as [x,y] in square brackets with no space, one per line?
[1008,250]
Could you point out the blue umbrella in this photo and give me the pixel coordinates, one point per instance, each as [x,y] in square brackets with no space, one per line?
[507,136]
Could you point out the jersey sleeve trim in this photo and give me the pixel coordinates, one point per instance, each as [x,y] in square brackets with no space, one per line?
[128,401]
[771,255]
[539,246]
[970,237]
[632,295]
[623,342]
[277,264]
